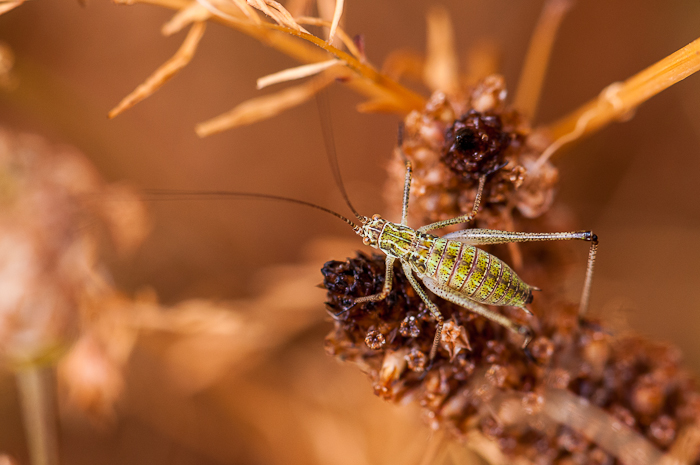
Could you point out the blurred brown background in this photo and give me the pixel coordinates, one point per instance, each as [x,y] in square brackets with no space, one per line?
[634,183]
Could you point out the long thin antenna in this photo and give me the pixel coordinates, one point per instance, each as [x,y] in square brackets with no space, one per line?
[327,128]
[177,194]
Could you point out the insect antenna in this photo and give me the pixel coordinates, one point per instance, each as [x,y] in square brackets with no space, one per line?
[179,194]
[329,141]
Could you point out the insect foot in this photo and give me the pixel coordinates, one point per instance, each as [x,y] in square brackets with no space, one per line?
[519,384]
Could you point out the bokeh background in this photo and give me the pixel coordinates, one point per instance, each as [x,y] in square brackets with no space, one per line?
[634,183]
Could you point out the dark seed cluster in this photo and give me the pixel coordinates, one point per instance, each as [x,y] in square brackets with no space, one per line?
[475,145]
[452,142]
[482,380]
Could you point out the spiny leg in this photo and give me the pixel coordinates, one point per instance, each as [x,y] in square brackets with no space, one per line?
[431,306]
[491,236]
[388,279]
[460,219]
[460,299]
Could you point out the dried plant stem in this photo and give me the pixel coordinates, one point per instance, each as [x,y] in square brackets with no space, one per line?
[489,451]
[347,41]
[264,107]
[292,74]
[7,6]
[686,447]
[440,70]
[527,95]
[36,396]
[595,424]
[181,58]
[374,84]
[629,94]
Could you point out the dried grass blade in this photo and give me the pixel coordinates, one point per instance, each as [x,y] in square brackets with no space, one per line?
[8,81]
[248,11]
[441,69]
[379,105]
[633,92]
[216,11]
[193,13]
[265,107]
[277,12]
[337,14]
[537,59]
[181,58]
[404,62]
[483,59]
[7,6]
[342,35]
[298,72]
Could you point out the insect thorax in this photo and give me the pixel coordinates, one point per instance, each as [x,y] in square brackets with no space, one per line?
[397,240]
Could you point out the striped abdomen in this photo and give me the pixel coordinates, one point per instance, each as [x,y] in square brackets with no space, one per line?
[476,274]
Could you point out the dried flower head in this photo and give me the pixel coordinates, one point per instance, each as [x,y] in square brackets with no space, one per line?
[483,383]
[48,266]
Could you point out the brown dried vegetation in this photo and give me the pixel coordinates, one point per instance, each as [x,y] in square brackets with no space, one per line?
[227,373]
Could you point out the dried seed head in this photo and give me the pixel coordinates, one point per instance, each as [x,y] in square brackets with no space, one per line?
[48,266]
[452,142]
[638,384]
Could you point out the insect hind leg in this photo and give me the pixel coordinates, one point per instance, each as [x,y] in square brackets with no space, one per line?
[459,299]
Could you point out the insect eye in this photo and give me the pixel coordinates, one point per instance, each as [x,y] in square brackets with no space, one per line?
[365,240]
[376,216]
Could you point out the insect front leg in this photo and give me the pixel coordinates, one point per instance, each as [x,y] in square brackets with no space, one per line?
[431,306]
[388,279]
[463,301]
[460,219]
[491,236]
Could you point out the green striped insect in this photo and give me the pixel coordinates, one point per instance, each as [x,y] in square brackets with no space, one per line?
[453,268]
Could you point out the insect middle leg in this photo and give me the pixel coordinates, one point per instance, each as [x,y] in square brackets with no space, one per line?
[431,306]
[490,236]
[419,290]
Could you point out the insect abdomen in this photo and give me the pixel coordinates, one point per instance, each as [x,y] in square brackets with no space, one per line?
[476,274]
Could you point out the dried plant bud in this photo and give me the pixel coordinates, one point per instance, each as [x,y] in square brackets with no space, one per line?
[454,338]
[663,430]
[542,349]
[409,327]
[374,339]
[417,360]
[496,375]
[532,403]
